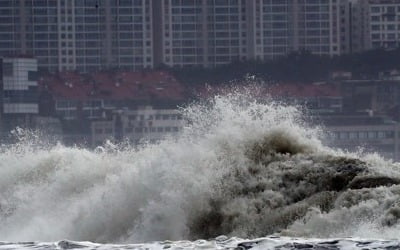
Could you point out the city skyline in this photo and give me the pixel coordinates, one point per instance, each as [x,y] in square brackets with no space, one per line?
[94,35]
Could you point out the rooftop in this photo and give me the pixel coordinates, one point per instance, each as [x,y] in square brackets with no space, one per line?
[113,85]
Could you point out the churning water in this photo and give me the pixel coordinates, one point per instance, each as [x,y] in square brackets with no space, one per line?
[240,168]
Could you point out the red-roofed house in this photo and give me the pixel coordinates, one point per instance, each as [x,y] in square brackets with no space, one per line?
[94,95]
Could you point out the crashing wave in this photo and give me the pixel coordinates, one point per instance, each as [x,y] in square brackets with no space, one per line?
[241,168]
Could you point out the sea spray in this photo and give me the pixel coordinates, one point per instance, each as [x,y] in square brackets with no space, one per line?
[241,167]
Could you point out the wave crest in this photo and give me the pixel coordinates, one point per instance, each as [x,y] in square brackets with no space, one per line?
[241,167]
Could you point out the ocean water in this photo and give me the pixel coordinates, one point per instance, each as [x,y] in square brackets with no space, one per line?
[241,175]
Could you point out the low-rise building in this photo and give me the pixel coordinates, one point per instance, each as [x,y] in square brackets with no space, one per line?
[371,133]
[382,97]
[97,95]
[80,99]
[19,91]
[145,123]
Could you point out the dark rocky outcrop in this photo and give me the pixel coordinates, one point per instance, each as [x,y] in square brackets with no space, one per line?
[280,184]
[372,182]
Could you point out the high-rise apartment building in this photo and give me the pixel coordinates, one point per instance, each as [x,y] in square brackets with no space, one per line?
[271,28]
[212,32]
[322,26]
[376,24]
[201,32]
[83,35]
[358,25]
[89,35]
[283,26]
[130,27]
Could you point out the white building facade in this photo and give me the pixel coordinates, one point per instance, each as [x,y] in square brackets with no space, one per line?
[380,138]
[19,86]
[201,32]
[376,24]
[142,124]
[90,35]
[284,26]
[83,35]
[208,33]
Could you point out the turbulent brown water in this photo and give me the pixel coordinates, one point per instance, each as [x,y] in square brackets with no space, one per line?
[240,168]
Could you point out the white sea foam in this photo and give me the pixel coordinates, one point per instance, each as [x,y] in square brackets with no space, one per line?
[242,168]
[222,242]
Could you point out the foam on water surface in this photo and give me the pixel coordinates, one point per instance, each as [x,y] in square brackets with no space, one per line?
[266,243]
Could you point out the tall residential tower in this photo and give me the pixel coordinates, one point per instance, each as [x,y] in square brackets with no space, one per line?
[376,24]
[90,35]
[83,35]
[213,32]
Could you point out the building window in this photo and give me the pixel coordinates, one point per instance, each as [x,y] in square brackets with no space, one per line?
[343,135]
[375,27]
[371,135]
[353,135]
[32,76]
[381,135]
[375,9]
[8,69]
[362,135]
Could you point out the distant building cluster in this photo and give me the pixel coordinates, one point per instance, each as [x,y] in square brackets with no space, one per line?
[88,71]
[88,109]
[94,95]
[123,105]
[92,35]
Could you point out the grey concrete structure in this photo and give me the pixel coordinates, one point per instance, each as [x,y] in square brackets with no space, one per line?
[367,133]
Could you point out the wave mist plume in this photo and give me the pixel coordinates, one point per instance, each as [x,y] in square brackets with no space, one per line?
[240,168]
